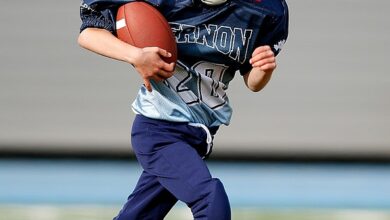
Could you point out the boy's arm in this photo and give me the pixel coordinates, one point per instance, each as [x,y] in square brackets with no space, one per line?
[147,61]
[104,43]
[263,64]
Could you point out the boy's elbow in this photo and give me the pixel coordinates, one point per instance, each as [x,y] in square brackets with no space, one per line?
[256,88]
[81,40]
[84,37]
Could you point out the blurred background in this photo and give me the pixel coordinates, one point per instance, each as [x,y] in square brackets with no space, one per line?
[314,144]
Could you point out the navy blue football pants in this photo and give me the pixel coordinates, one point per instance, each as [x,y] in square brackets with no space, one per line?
[171,155]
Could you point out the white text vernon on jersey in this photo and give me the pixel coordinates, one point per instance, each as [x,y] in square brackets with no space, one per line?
[229,41]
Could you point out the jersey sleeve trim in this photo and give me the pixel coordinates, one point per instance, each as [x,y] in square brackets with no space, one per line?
[92,18]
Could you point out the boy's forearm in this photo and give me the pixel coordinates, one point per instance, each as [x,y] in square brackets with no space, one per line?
[104,43]
[147,61]
[257,79]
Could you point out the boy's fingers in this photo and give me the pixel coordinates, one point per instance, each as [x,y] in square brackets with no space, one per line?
[261,49]
[268,66]
[164,74]
[164,53]
[159,77]
[261,62]
[148,85]
[263,55]
[169,67]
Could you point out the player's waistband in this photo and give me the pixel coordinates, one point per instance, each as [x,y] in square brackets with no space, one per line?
[213,130]
[178,128]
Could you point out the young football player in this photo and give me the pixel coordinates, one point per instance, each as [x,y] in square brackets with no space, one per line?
[180,107]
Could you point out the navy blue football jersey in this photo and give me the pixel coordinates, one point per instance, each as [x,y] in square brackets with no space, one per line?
[214,42]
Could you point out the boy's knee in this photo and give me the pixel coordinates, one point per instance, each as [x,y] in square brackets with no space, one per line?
[219,204]
[214,204]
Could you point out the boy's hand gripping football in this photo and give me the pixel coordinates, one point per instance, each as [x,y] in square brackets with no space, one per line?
[150,65]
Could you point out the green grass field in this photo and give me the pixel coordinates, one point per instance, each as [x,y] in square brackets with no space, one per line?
[97,212]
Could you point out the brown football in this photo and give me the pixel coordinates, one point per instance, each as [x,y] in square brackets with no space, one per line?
[142,25]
